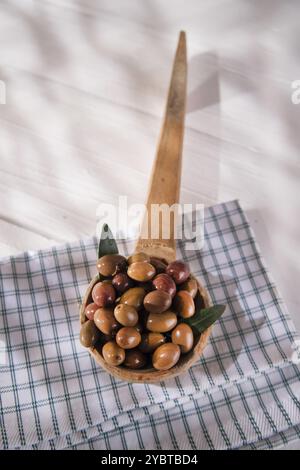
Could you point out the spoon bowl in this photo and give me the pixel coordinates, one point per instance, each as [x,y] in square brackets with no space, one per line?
[149,375]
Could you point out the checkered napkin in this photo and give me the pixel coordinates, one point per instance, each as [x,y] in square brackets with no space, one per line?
[244,391]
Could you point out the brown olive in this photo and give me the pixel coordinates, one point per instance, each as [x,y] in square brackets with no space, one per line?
[183,336]
[161,322]
[90,310]
[141,271]
[138,257]
[135,359]
[166,356]
[105,321]
[126,315]
[122,282]
[179,271]
[113,354]
[191,286]
[104,294]
[165,282]
[89,334]
[151,341]
[134,297]
[128,337]
[109,265]
[184,304]
[160,265]
[157,301]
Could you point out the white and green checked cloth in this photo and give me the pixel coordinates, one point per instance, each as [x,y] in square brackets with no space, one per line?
[244,392]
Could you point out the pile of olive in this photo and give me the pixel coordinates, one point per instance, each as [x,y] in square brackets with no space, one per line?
[137,309]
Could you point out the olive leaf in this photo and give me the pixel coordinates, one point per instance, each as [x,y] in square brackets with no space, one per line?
[205,317]
[107,243]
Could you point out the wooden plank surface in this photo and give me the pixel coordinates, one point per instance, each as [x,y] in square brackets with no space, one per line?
[86,86]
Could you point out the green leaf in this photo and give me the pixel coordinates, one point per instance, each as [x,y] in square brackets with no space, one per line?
[205,317]
[107,244]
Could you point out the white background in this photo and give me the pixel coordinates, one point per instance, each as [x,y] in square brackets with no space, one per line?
[86,85]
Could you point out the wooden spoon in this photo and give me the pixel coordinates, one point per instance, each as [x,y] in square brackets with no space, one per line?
[164,188]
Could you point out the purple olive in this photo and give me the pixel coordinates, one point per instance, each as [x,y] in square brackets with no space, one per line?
[122,282]
[165,282]
[160,265]
[104,294]
[179,271]
[90,310]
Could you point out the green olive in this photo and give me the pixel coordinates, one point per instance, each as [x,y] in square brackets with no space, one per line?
[105,321]
[157,301]
[184,337]
[109,265]
[184,304]
[191,286]
[126,315]
[166,356]
[133,297]
[89,334]
[113,354]
[128,337]
[135,359]
[138,257]
[141,271]
[161,322]
[151,341]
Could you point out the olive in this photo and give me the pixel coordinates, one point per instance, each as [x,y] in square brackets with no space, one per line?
[113,354]
[160,265]
[157,301]
[104,294]
[105,321]
[183,336]
[161,322]
[128,337]
[134,297]
[151,341]
[135,359]
[165,282]
[141,271]
[126,315]
[191,286]
[90,310]
[109,265]
[89,334]
[184,304]
[138,257]
[179,271]
[166,356]
[122,282]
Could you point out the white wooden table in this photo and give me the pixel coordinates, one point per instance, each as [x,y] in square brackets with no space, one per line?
[86,85]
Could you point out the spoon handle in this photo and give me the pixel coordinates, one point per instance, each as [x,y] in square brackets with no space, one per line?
[165,179]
